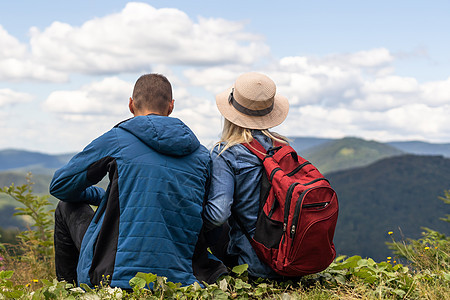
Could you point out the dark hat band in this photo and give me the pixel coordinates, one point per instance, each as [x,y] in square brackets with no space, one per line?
[248,111]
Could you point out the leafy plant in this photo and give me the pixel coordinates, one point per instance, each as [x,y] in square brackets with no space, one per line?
[39,236]
[34,253]
[386,280]
[446,200]
[7,287]
[430,252]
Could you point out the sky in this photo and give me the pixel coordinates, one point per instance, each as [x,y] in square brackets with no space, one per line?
[378,70]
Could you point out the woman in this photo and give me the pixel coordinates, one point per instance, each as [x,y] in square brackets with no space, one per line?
[250,108]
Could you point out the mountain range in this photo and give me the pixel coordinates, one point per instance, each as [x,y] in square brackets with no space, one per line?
[29,161]
[412,147]
[399,194]
[381,186]
[328,154]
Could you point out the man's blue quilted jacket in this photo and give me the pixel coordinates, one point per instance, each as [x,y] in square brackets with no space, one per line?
[149,218]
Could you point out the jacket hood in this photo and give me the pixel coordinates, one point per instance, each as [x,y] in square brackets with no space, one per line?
[166,135]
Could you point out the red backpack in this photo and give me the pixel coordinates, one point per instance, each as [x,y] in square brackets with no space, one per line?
[297,216]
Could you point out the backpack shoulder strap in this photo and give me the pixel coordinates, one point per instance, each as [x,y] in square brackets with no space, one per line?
[281,150]
[256,148]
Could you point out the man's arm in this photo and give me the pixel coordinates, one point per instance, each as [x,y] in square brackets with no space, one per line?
[74,182]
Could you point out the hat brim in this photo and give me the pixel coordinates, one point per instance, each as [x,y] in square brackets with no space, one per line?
[275,117]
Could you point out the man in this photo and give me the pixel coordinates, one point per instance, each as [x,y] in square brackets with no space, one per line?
[149,218]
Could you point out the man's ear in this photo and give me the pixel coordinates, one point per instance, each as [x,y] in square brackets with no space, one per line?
[131,105]
[171,106]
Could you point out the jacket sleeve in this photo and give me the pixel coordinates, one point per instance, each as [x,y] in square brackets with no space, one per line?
[217,209]
[74,182]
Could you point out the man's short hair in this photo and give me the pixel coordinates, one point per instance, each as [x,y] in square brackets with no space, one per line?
[152,92]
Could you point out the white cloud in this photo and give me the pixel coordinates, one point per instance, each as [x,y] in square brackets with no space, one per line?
[371,58]
[437,93]
[215,79]
[10,97]
[349,95]
[391,84]
[336,95]
[202,117]
[11,47]
[420,118]
[97,106]
[409,122]
[17,64]
[19,69]
[108,97]
[140,36]
[375,102]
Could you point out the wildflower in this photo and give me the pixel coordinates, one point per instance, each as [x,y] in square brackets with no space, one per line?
[390,233]
[78,290]
[426,248]
[1,258]
[90,297]
[389,257]
[35,280]
[394,261]
[116,292]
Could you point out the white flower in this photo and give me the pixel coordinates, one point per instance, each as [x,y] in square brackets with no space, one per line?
[77,289]
[90,297]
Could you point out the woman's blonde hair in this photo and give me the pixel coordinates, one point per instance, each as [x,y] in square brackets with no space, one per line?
[233,134]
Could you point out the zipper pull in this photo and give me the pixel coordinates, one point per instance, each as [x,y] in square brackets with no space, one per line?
[284,227]
[292,231]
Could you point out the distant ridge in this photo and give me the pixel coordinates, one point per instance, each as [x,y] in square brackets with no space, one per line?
[36,162]
[413,147]
[396,192]
[347,153]
[42,163]
[302,143]
[422,148]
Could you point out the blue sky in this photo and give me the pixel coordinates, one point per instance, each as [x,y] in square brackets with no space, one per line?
[373,69]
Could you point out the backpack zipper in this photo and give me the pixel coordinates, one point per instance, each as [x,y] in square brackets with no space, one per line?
[318,204]
[299,205]
[272,209]
[315,180]
[287,204]
[272,174]
[298,169]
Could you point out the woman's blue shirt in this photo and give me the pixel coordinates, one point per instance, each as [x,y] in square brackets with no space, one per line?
[235,186]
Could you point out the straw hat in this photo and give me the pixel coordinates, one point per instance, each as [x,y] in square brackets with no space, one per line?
[252,102]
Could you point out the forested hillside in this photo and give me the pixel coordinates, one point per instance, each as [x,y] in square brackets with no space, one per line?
[347,153]
[398,194]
